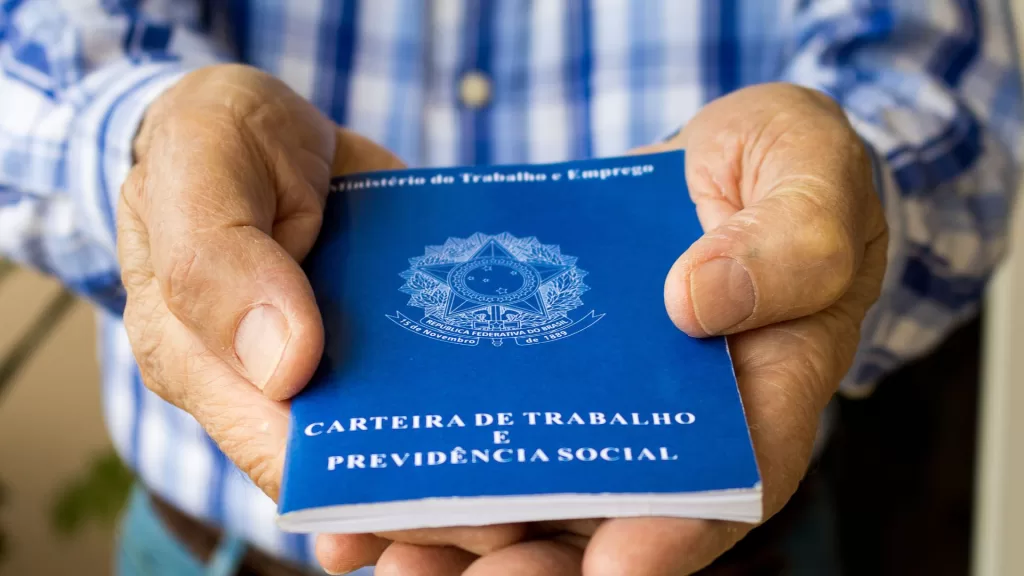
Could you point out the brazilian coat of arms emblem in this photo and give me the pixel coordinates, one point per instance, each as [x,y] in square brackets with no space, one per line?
[495,288]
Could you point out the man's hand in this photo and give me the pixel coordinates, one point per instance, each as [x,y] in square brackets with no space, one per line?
[225,199]
[792,257]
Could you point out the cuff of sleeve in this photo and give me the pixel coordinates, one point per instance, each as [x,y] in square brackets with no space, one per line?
[100,147]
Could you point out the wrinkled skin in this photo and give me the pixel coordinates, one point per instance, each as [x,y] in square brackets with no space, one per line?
[226,199]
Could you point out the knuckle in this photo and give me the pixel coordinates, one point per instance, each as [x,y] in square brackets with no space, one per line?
[147,342]
[831,247]
[263,474]
[132,275]
[179,280]
[132,253]
[134,183]
[825,241]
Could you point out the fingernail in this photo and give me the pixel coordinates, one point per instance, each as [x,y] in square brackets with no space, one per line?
[260,341]
[722,294]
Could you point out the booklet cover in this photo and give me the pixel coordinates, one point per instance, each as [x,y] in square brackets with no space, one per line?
[498,350]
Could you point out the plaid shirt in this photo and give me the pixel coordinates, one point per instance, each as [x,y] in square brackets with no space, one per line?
[931,85]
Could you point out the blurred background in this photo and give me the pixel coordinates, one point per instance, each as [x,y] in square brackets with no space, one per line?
[52,438]
[931,483]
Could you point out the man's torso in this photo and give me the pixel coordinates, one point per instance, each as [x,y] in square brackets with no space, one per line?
[442,83]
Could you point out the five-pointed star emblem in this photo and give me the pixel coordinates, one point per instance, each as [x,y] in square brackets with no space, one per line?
[531,303]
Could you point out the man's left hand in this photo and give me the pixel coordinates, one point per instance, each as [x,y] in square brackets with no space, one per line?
[792,258]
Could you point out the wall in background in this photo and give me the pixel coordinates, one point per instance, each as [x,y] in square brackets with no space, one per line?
[999,513]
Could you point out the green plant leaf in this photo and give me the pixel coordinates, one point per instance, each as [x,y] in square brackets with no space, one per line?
[96,496]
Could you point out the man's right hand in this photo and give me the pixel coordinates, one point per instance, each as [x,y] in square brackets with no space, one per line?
[223,203]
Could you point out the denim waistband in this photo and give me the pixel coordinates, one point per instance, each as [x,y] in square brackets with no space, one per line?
[146,548]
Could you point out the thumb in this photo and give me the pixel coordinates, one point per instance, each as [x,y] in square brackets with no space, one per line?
[225,232]
[209,213]
[789,255]
[783,188]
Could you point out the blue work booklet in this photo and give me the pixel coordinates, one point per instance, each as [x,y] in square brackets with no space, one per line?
[498,350]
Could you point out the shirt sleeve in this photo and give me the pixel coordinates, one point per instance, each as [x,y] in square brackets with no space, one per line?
[934,90]
[75,81]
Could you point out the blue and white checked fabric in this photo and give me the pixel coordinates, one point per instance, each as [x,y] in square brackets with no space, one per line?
[932,85]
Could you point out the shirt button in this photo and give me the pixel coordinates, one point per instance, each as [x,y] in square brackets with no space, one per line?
[475,90]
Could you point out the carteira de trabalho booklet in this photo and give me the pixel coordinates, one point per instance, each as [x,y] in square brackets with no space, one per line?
[498,350]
